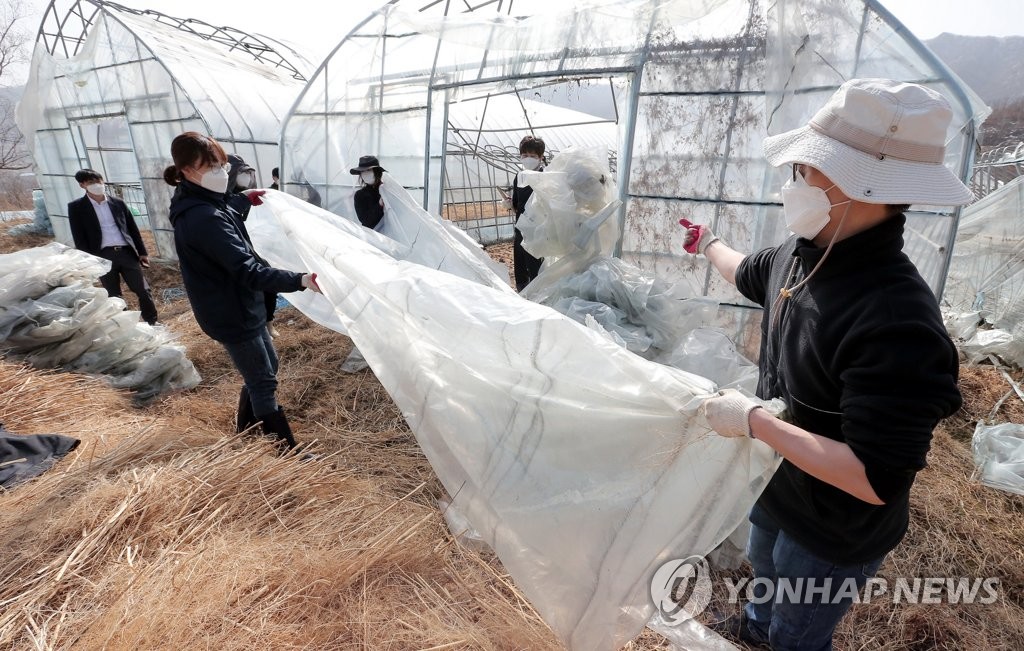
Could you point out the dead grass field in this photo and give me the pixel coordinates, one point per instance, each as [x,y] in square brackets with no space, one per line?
[163,530]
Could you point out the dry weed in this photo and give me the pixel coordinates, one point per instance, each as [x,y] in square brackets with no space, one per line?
[165,530]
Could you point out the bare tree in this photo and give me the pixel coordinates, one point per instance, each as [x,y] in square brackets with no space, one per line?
[14,45]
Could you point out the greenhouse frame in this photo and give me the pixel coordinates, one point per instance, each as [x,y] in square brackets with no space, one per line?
[443,90]
[110,87]
[702,83]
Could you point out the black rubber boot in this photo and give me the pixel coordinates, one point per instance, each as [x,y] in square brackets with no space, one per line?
[245,418]
[275,425]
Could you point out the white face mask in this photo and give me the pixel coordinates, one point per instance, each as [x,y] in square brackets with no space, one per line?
[96,188]
[215,180]
[369,177]
[806,207]
[243,180]
[529,163]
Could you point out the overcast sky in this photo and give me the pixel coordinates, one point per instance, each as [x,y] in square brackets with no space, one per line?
[306,22]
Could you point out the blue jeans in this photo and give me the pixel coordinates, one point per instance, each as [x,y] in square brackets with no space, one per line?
[806,622]
[256,360]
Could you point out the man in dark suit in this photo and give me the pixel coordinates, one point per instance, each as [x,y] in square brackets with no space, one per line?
[104,227]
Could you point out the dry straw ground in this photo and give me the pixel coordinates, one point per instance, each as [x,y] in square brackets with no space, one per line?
[165,531]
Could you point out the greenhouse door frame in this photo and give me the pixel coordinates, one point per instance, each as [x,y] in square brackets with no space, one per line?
[131,193]
[625,123]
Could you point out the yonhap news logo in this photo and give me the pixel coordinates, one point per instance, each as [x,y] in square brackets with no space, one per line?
[681,589]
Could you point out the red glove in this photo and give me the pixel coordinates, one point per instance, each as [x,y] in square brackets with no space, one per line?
[254,196]
[698,237]
[309,282]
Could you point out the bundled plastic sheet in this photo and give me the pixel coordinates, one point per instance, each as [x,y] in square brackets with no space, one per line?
[986,274]
[53,316]
[978,341]
[535,425]
[571,220]
[999,456]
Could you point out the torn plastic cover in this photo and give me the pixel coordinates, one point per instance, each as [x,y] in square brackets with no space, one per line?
[986,276]
[572,220]
[535,424]
[977,340]
[52,316]
[999,456]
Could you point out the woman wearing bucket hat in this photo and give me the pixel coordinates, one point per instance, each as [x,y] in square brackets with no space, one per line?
[852,341]
[368,202]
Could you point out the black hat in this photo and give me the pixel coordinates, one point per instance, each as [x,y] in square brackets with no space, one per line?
[238,164]
[367,163]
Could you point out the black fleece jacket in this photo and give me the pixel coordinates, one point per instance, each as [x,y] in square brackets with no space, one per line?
[224,279]
[859,355]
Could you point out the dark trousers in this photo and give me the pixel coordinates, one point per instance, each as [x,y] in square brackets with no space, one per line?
[125,264]
[803,621]
[525,266]
[256,360]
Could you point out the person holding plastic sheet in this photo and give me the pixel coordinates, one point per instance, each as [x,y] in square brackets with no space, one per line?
[852,341]
[369,204]
[274,176]
[104,227]
[241,179]
[225,280]
[525,266]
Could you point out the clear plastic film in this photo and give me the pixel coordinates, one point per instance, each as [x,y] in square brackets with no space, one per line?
[999,456]
[986,277]
[52,316]
[535,424]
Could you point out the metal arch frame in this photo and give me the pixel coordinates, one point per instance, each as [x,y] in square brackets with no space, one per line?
[970,130]
[469,8]
[234,39]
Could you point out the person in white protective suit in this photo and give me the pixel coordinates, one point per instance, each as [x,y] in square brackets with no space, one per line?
[852,341]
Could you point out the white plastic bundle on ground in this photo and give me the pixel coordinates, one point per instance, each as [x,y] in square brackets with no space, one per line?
[53,317]
[978,341]
[584,466]
[999,456]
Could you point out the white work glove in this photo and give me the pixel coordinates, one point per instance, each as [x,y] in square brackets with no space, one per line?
[729,413]
[309,282]
[697,238]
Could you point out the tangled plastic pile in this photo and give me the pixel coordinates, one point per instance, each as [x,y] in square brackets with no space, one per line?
[572,220]
[52,316]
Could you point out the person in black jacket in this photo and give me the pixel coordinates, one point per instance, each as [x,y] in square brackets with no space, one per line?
[852,341]
[368,203]
[525,266]
[241,179]
[225,280]
[104,227]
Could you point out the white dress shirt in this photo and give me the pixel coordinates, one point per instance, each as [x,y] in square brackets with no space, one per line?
[108,227]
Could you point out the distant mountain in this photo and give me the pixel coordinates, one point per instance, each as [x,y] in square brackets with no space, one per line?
[992,66]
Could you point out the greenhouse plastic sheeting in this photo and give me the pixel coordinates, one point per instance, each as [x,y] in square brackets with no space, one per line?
[986,274]
[534,424]
[999,456]
[52,316]
[702,83]
[571,220]
[132,86]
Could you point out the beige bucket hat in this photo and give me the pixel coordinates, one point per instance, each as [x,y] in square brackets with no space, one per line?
[880,141]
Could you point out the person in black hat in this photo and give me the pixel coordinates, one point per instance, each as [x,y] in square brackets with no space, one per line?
[242,177]
[368,202]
